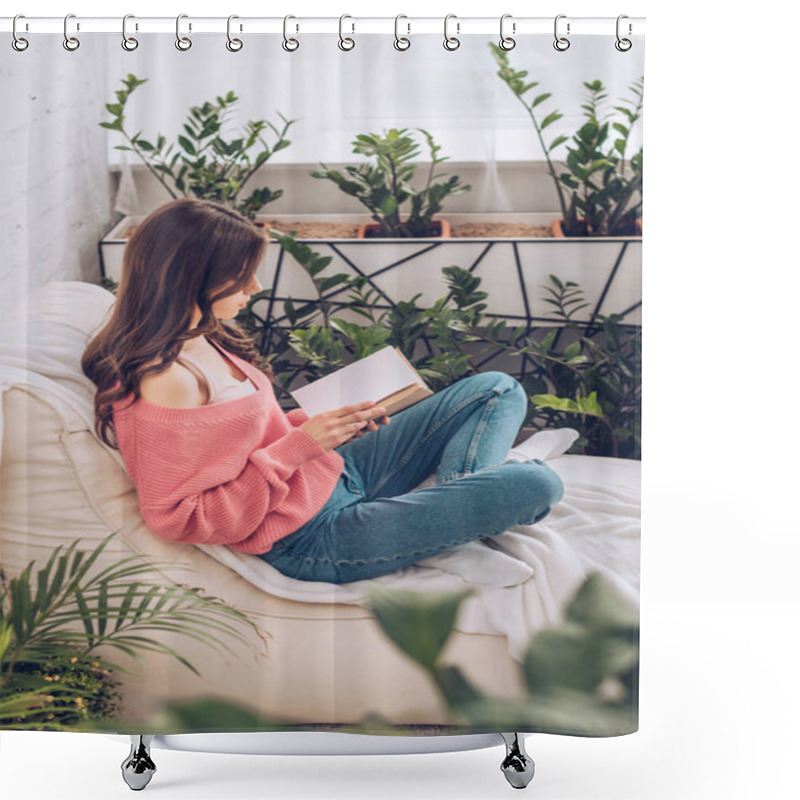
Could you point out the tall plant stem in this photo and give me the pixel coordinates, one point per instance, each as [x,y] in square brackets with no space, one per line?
[550,168]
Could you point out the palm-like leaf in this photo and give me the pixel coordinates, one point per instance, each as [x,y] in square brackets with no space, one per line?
[72,610]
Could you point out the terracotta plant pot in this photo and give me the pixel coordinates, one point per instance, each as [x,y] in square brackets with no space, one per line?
[441,228]
[558,231]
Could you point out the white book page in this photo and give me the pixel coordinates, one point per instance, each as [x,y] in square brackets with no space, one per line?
[371,378]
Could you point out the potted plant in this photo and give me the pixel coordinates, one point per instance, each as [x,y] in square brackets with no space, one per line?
[203,164]
[585,376]
[599,194]
[385,185]
[55,623]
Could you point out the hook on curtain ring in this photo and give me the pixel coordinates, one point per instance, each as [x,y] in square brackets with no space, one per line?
[70,42]
[183,43]
[401,42]
[18,43]
[234,45]
[289,44]
[561,43]
[506,42]
[345,42]
[451,42]
[623,45]
[128,42]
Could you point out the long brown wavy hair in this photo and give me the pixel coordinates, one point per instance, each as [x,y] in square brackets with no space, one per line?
[180,256]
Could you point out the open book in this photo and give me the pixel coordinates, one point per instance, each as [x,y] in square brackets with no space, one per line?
[385,377]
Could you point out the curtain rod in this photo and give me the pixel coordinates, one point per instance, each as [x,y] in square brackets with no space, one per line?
[402,25]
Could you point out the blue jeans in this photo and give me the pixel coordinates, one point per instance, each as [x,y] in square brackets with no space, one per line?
[374,524]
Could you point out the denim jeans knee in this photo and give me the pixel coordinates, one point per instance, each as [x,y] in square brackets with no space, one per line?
[539,484]
[506,387]
[501,382]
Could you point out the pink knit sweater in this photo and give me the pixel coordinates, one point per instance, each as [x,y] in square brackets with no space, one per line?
[239,473]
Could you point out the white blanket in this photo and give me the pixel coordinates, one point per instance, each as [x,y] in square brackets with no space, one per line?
[521,579]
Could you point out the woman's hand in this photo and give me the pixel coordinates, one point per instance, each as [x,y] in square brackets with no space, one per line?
[335,427]
[372,425]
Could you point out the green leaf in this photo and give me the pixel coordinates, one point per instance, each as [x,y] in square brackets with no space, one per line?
[419,623]
[549,119]
[598,603]
[187,145]
[540,99]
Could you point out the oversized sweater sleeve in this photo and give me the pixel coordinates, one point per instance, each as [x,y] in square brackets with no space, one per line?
[297,417]
[220,502]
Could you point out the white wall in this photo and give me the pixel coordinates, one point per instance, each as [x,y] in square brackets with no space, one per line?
[55,191]
[496,187]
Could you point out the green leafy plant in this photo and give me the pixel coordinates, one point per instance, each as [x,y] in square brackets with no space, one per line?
[580,675]
[584,376]
[599,194]
[598,380]
[53,622]
[385,185]
[202,163]
[591,383]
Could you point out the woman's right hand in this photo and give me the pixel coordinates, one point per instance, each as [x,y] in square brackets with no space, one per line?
[335,427]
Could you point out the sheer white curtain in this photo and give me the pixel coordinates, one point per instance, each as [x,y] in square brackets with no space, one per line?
[56,192]
[336,95]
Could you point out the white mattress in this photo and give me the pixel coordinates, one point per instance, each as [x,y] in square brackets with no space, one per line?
[523,578]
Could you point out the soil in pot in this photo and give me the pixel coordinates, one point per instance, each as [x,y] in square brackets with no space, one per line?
[438,229]
[313,230]
[500,230]
[343,230]
[627,229]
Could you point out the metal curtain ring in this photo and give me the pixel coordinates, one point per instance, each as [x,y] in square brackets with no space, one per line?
[623,45]
[506,42]
[70,42]
[234,45]
[128,42]
[345,42]
[451,42]
[182,42]
[18,43]
[561,43]
[289,45]
[401,43]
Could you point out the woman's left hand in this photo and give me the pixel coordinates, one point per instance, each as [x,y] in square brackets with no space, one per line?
[372,425]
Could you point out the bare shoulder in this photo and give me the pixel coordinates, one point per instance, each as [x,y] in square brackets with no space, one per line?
[175,387]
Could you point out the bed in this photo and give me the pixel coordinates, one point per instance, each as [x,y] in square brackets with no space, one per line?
[319,657]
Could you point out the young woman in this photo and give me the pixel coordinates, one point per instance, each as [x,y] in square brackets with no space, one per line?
[184,396]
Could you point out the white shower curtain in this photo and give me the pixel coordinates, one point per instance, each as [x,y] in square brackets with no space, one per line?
[532,629]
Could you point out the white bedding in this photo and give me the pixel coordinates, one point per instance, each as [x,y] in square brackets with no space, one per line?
[521,578]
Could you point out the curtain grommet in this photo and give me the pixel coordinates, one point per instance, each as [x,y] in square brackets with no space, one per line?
[289,44]
[451,43]
[183,43]
[233,45]
[18,42]
[623,45]
[561,43]
[129,43]
[70,42]
[401,43]
[346,43]
[507,42]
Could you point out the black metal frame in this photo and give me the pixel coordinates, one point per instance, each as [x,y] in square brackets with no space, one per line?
[528,319]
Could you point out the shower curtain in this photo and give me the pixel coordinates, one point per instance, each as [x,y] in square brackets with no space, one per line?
[474,202]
